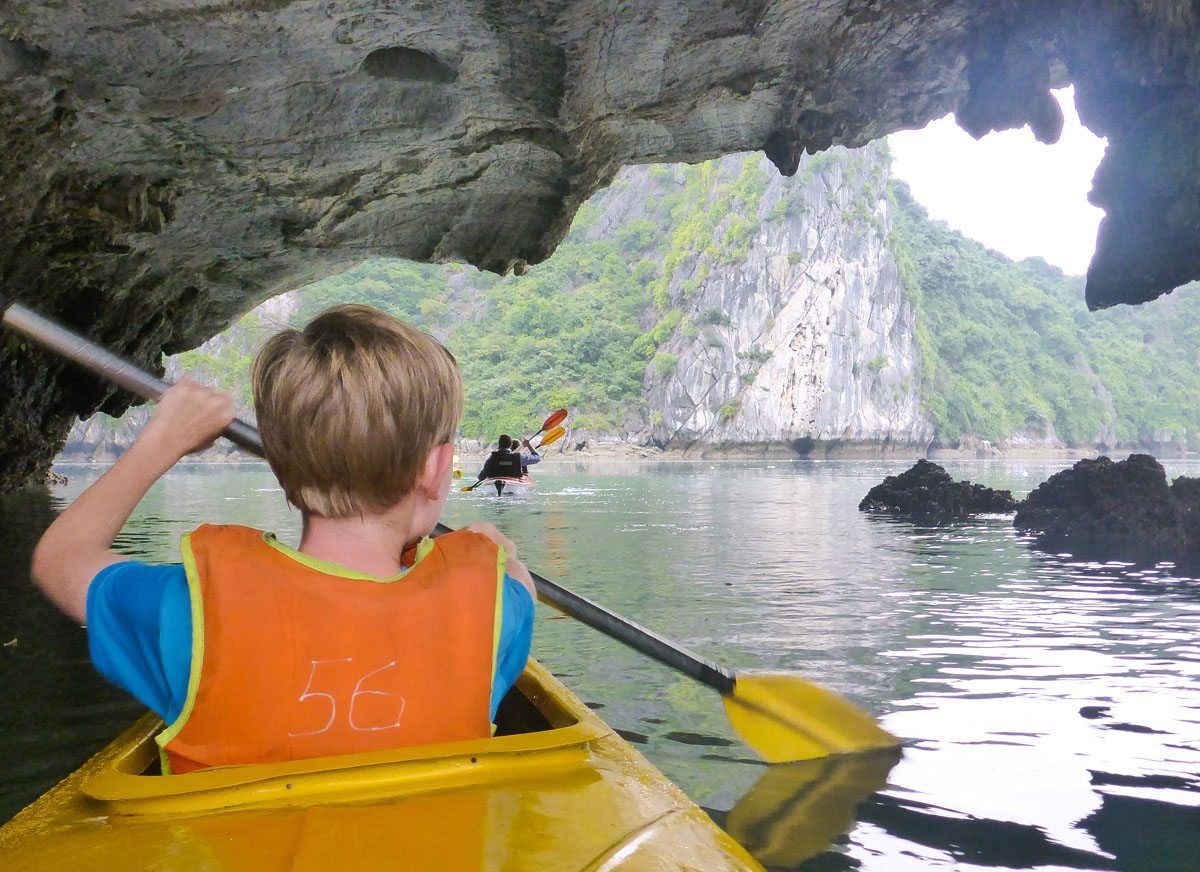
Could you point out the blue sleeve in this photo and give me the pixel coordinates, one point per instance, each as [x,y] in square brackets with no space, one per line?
[530,459]
[516,635]
[139,622]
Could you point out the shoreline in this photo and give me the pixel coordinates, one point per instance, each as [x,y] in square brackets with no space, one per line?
[615,453]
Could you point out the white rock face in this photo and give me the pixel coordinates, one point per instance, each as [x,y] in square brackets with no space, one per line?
[819,345]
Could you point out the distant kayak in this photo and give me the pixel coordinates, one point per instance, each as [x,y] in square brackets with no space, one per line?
[502,486]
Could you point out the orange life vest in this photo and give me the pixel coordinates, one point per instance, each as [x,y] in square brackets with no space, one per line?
[294,657]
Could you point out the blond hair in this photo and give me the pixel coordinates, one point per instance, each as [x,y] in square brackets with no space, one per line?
[351,407]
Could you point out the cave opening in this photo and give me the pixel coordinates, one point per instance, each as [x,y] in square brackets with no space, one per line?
[1008,190]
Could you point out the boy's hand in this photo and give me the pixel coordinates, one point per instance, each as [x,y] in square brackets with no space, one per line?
[189,417]
[79,542]
[516,569]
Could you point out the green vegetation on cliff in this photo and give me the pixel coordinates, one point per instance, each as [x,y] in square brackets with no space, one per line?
[1010,347]
[566,334]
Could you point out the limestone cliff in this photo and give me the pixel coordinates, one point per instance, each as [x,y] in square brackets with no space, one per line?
[806,338]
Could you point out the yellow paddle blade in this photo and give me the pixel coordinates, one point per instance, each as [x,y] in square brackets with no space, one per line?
[785,718]
[552,437]
[795,810]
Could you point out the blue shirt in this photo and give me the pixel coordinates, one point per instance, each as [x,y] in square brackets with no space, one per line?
[139,621]
[527,460]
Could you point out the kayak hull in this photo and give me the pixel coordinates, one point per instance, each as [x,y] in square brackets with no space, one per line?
[569,795]
[507,486]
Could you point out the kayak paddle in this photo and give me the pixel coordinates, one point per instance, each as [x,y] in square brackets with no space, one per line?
[552,437]
[556,418]
[778,714]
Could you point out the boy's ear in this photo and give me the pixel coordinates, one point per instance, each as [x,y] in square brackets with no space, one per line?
[437,469]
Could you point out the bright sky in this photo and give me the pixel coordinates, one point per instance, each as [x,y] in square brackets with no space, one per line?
[1008,190]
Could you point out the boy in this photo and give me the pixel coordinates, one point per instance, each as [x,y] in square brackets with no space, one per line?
[369,636]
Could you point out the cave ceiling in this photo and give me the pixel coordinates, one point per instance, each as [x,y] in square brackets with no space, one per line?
[168,164]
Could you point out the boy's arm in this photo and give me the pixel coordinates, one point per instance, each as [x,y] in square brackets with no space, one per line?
[516,569]
[78,544]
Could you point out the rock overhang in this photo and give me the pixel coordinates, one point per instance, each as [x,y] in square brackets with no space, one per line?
[166,165]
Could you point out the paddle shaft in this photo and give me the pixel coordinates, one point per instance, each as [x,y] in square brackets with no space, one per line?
[68,344]
[65,343]
[634,635]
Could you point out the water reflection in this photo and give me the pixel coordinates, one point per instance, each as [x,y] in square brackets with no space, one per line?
[1051,708]
[1043,688]
[55,712]
[795,810]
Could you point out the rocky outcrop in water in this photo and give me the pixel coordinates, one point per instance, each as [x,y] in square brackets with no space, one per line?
[1105,510]
[165,166]
[927,491]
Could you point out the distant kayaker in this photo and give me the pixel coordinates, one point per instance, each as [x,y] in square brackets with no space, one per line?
[504,462]
[256,652]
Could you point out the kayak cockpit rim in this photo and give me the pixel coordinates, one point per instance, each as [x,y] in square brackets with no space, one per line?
[122,787]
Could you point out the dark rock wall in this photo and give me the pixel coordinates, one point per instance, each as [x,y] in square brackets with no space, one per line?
[167,164]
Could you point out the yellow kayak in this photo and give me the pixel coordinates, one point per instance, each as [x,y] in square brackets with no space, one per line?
[555,789]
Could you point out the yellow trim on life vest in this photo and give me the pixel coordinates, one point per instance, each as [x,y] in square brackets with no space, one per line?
[193,583]
[328,567]
[497,621]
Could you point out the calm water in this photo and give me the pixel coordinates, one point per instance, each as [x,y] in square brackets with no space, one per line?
[1051,710]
